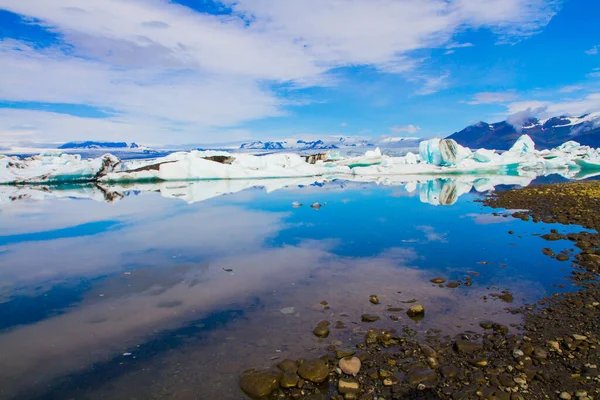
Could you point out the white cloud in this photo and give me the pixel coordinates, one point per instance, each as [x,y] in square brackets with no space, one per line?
[433,84]
[492,98]
[166,66]
[583,105]
[455,45]
[571,88]
[593,51]
[594,74]
[344,124]
[410,129]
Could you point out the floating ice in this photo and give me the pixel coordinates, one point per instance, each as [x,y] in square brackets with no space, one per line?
[523,145]
[436,157]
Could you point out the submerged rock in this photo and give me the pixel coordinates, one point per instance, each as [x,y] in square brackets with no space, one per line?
[256,383]
[321,331]
[416,311]
[374,299]
[369,318]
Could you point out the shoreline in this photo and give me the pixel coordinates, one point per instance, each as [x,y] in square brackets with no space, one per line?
[555,354]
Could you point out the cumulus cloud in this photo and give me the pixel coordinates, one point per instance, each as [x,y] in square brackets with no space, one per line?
[492,98]
[162,67]
[400,129]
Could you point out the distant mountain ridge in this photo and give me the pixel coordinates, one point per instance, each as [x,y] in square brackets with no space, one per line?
[329,143]
[546,134]
[98,145]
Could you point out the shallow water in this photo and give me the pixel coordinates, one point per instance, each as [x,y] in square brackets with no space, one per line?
[152,297]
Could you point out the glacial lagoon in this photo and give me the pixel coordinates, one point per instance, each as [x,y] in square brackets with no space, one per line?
[171,290]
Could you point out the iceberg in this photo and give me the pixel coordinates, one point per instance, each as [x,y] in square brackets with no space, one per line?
[436,157]
[442,152]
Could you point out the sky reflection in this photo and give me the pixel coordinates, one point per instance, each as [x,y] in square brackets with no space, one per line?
[100,279]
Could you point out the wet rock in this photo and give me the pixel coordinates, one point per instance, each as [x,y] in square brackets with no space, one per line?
[289,380]
[315,206]
[450,371]
[466,347]
[437,280]
[416,311]
[257,383]
[540,353]
[428,350]
[350,365]
[486,324]
[504,296]
[553,236]
[296,204]
[419,375]
[369,318]
[479,362]
[374,299]
[288,366]
[341,353]
[288,310]
[452,285]
[348,385]
[562,257]
[321,331]
[313,370]
[548,252]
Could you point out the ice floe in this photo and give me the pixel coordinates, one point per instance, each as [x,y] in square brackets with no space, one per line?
[436,157]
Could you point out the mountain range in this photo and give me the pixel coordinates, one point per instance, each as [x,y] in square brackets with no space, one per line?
[546,133]
[89,145]
[331,142]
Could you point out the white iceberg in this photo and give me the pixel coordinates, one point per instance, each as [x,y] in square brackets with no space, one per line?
[436,157]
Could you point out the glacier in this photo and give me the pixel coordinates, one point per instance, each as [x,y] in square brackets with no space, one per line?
[436,157]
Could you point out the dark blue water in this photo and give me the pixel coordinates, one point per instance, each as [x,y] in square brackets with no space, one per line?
[147,296]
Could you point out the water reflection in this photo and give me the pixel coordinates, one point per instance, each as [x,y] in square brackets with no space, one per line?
[103,280]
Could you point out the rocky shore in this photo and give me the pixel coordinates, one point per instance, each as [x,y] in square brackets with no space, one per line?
[554,354]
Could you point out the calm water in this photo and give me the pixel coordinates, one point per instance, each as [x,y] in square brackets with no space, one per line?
[110,294]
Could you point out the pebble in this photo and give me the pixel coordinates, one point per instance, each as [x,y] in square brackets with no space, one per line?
[374,299]
[259,383]
[350,365]
[347,385]
[518,353]
[313,370]
[564,396]
[321,331]
[369,318]
[579,337]
[416,311]
[437,280]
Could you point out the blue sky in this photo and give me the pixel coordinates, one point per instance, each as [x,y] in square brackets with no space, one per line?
[204,71]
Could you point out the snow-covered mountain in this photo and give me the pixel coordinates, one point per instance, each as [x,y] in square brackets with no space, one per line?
[330,142]
[546,133]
